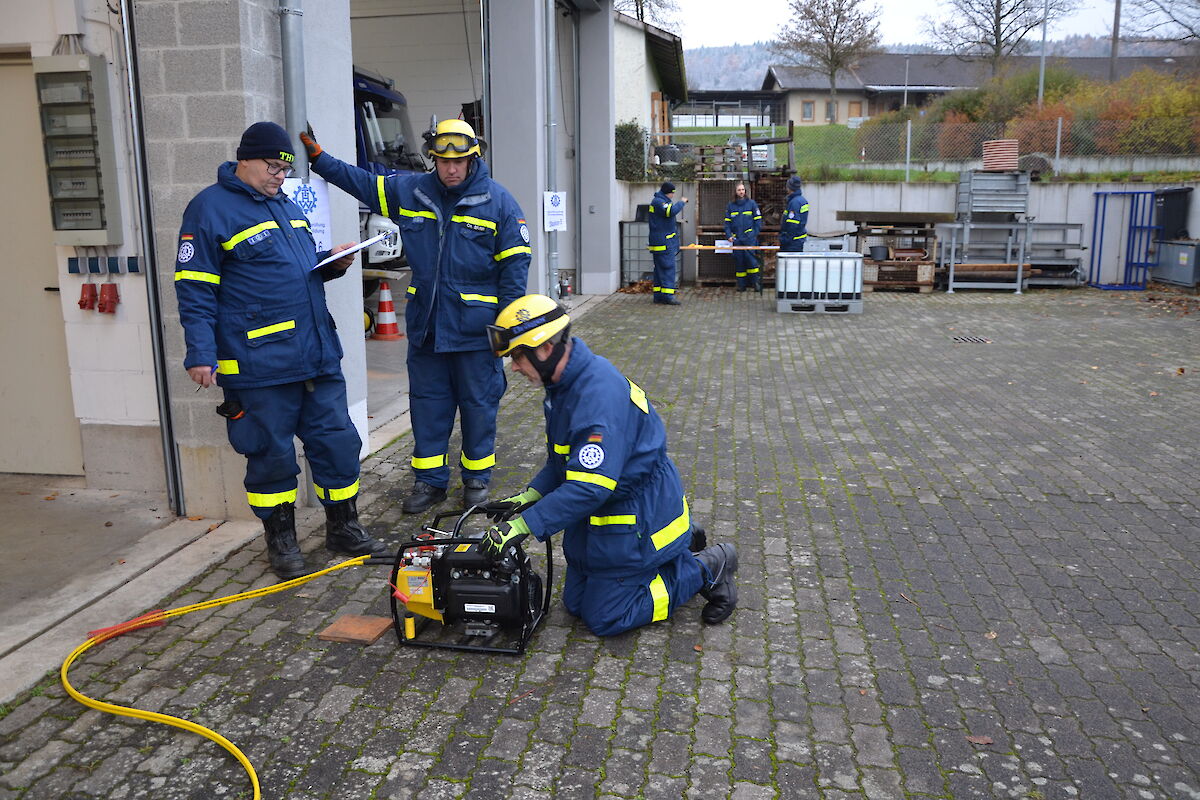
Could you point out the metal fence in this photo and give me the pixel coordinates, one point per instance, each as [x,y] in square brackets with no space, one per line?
[1052,145]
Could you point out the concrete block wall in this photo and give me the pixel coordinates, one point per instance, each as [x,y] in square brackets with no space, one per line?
[208,70]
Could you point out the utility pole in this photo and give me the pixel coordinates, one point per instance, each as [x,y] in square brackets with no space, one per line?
[905,104]
[1042,61]
[1116,37]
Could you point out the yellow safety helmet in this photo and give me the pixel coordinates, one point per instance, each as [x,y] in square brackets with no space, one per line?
[528,321]
[452,138]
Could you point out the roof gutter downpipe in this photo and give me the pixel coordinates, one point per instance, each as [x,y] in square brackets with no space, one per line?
[141,180]
[551,79]
[295,112]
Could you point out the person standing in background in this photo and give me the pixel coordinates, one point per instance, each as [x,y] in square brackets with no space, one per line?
[664,243]
[793,230]
[742,224]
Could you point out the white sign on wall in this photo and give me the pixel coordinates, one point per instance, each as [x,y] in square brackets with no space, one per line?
[313,199]
[554,211]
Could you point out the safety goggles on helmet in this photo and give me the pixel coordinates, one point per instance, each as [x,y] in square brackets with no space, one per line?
[453,145]
[503,340]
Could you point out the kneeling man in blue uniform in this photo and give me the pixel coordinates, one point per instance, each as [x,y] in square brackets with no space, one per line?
[255,321]
[608,484]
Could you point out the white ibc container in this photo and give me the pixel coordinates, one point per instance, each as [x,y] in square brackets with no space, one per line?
[835,275]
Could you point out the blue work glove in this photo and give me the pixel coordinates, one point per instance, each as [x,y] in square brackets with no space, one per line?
[502,536]
[498,508]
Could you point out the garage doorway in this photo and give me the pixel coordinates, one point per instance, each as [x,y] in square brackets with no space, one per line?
[42,432]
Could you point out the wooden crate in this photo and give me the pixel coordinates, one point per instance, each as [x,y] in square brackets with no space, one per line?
[892,275]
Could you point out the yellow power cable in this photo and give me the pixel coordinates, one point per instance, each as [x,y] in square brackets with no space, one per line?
[157,617]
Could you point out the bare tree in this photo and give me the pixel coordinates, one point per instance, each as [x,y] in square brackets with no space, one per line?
[1170,20]
[828,37]
[993,29]
[656,12]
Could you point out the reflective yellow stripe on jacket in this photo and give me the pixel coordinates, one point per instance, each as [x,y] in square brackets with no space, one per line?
[673,529]
[192,275]
[268,330]
[242,236]
[592,477]
[512,251]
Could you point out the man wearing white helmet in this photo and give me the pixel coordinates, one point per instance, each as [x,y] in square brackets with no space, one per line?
[468,247]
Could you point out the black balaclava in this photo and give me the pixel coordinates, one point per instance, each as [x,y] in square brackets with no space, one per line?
[545,369]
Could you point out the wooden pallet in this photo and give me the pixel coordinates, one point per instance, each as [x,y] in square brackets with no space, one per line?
[897,286]
[920,272]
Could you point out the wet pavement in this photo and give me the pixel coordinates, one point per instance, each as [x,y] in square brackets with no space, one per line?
[968,536]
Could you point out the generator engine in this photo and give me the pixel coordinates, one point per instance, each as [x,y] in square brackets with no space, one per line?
[477,599]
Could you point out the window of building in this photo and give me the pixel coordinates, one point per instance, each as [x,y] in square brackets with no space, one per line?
[855,109]
[807,109]
[830,111]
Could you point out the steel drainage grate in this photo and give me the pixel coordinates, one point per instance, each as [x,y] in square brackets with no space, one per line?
[971,340]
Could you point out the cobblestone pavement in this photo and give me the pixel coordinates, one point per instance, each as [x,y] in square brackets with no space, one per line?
[968,569]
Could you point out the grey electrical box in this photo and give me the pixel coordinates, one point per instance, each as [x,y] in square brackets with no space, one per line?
[77,135]
[1178,262]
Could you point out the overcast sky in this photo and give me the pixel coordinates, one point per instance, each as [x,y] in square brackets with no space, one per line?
[706,23]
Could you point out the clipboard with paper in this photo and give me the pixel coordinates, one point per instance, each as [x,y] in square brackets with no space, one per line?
[360,246]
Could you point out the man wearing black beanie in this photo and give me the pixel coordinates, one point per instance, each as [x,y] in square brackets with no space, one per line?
[664,242]
[793,231]
[255,321]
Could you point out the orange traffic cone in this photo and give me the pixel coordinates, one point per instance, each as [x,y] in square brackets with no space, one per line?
[385,320]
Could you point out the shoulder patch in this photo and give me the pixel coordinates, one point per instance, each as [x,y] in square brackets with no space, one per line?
[186,251]
[591,455]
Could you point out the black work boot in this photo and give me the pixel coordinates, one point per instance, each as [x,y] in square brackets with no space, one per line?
[343,533]
[721,592]
[287,561]
[423,498]
[475,492]
[671,300]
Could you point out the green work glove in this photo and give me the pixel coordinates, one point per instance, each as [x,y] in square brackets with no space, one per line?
[309,140]
[502,536]
[498,508]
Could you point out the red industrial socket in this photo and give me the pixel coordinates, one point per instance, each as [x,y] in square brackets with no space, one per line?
[87,296]
[108,298]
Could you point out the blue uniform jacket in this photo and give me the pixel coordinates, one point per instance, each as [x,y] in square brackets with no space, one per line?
[794,228]
[466,264]
[743,221]
[664,225]
[607,482]
[249,301]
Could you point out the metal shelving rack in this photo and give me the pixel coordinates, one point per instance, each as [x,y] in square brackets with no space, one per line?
[1140,233]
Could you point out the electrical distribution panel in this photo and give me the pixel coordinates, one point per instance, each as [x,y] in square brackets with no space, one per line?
[77,135]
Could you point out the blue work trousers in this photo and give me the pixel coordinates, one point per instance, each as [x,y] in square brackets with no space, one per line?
[609,605]
[664,271]
[313,410]
[746,268]
[468,383]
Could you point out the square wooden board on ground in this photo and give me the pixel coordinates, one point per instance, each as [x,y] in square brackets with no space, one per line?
[355,629]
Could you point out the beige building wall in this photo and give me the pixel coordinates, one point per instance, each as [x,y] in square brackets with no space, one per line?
[634,70]
[112,391]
